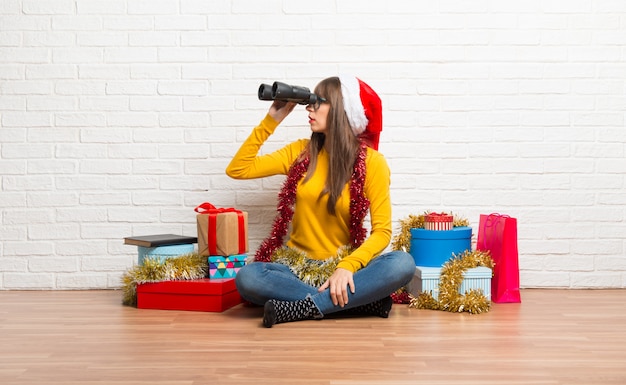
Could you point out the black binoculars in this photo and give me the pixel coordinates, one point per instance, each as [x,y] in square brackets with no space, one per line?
[287,93]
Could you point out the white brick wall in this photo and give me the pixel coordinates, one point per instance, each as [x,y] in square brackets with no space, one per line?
[119,117]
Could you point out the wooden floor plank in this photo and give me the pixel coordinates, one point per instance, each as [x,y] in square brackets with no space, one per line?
[87,337]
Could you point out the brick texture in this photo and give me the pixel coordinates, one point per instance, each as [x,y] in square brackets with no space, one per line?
[117,118]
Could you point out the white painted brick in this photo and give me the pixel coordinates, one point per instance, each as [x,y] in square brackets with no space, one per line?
[180,23]
[160,167]
[29,183]
[53,265]
[11,200]
[108,135]
[8,7]
[25,217]
[51,103]
[137,182]
[149,198]
[153,39]
[82,281]
[203,7]
[186,119]
[130,54]
[155,71]
[103,103]
[105,167]
[544,279]
[80,119]
[104,199]
[16,167]
[91,7]
[28,249]
[28,87]
[13,264]
[102,264]
[77,55]
[597,280]
[16,281]
[49,7]
[132,151]
[72,214]
[128,23]
[80,248]
[182,55]
[152,7]
[46,199]
[11,72]
[134,214]
[12,135]
[155,103]
[55,167]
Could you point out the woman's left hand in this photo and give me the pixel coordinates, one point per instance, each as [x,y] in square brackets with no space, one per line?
[338,284]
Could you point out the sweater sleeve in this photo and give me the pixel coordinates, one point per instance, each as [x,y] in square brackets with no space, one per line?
[377,182]
[248,164]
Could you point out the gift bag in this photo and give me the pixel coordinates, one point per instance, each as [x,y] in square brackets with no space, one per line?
[498,234]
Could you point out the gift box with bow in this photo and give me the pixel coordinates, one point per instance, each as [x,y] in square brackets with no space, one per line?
[221,231]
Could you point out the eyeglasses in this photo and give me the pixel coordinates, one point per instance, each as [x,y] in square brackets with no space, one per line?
[318,103]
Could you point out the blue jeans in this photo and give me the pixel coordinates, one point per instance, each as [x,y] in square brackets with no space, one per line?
[258,282]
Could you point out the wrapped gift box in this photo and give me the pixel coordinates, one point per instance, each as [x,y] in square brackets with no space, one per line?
[222,232]
[438,222]
[211,295]
[427,279]
[225,267]
[433,248]
[163,252]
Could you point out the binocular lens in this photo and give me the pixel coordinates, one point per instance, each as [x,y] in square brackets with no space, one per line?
[265,92]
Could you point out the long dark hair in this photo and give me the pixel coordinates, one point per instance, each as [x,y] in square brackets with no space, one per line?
[339,140]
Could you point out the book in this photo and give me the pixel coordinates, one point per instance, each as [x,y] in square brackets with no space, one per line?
[159,240]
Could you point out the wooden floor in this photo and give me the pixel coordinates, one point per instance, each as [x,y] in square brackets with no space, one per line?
[88,337]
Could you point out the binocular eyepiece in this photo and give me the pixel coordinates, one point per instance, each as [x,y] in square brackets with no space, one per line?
[287,93]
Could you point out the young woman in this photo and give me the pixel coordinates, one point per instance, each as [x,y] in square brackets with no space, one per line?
[318,259]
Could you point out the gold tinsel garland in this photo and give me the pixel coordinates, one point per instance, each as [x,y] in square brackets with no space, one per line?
[184,267]
[310,271]
[449,299]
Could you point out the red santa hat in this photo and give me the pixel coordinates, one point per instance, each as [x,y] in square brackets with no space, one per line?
[364,109]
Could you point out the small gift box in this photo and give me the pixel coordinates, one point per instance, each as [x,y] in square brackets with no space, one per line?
[225,267]
[221,231]
[436,221]
[211,295]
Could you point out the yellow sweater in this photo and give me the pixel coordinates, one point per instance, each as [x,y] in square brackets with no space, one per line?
[313,229]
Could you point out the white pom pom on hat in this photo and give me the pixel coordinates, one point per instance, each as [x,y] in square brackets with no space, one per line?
[364,109]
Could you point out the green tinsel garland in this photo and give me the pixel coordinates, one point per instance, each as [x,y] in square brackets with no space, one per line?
[310,271]
[473,301]
[184,267]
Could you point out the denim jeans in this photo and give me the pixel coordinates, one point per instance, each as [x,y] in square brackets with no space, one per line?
[258,282]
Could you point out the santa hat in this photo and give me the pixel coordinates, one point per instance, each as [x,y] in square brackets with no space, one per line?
[364,109]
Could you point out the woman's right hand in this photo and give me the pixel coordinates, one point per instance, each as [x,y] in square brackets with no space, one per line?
[280,109]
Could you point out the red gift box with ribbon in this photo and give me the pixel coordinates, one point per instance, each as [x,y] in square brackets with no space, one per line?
[221,231]
[436,221]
